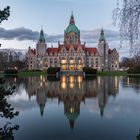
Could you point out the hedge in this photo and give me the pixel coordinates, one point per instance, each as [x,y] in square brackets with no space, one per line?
[53,70]
[10,71]
[89,70]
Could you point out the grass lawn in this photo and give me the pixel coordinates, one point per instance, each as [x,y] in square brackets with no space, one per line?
[111,73]
[99,73]
[27,73]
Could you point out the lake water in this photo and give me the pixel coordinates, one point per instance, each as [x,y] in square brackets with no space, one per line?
[74,108]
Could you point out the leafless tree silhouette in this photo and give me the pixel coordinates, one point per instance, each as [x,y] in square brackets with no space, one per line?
[127,16]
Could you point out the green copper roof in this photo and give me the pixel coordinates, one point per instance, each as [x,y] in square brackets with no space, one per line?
[72,27]
[102,37]
[42,38]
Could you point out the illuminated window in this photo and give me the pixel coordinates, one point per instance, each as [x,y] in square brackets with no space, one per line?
[63,61]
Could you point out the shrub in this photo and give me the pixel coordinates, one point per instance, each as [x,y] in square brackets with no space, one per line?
[53,70]
[89,70]
[10,71]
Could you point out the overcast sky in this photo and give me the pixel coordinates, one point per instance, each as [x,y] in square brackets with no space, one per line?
[27,16]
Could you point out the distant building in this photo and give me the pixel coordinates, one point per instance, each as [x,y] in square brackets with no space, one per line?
[72,54]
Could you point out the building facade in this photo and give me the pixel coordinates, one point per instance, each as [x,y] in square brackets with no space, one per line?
[72,54]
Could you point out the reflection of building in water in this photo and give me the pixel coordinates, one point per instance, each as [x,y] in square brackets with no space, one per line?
[108,86]
[72,108]
[72,90]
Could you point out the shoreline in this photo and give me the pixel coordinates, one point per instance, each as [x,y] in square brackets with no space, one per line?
[99,73]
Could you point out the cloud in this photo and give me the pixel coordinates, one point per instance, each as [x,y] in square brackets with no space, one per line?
[93,35]
[19,34]
[22,33]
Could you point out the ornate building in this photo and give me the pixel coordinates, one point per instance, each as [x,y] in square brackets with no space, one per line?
[72,54]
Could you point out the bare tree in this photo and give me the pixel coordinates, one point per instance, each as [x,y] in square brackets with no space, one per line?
[127,16]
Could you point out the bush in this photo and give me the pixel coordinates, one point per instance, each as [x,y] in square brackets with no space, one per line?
[89,70]
[53,70]
[10,71]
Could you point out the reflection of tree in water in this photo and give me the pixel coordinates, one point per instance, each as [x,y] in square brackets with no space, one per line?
[133,82]
[6,111]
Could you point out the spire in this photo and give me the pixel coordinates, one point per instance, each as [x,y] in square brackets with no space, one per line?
[102,36]
[41,38]
[72,19]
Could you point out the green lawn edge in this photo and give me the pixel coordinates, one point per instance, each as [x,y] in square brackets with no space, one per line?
[99,73]
[25,73]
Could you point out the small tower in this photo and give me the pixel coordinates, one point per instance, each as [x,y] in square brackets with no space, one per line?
[103,51]
[41,50]
[41,45]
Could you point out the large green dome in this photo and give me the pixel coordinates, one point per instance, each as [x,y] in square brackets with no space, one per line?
[72,28]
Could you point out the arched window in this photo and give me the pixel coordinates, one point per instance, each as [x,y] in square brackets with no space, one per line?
[79,60]
[63,61]
[71,60]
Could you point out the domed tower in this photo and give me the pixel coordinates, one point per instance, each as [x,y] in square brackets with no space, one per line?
[103,51]
[72,33]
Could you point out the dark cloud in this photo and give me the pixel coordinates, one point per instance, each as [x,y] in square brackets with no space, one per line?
[20,34]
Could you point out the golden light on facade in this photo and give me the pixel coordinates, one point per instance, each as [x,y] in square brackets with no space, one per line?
[71,61]
[63,61]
